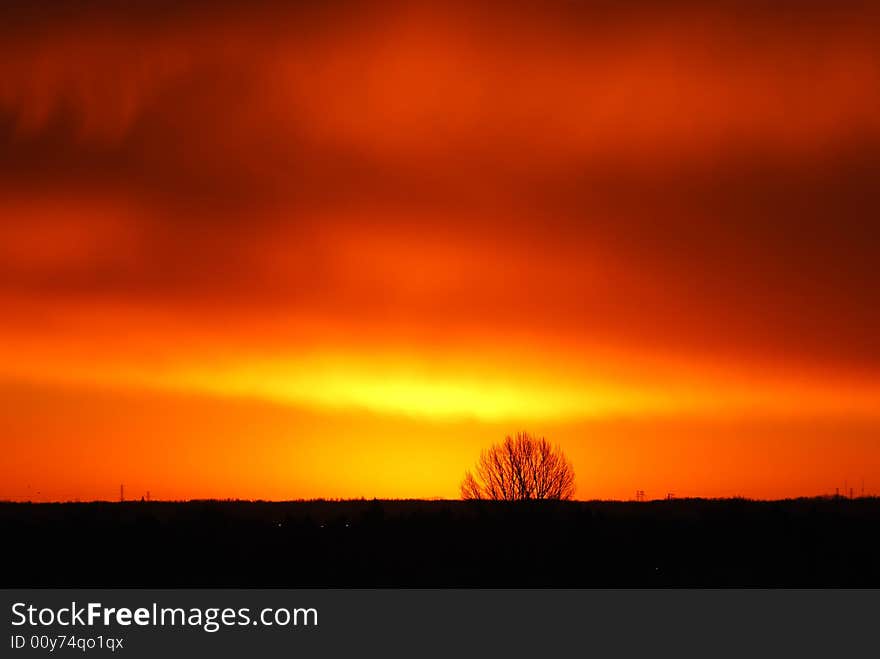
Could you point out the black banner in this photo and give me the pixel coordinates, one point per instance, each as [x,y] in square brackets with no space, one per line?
[415,623]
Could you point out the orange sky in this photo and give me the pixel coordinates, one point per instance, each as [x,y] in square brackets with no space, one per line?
[334,249]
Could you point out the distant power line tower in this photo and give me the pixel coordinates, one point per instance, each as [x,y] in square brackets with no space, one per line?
[640,495]
[121,493]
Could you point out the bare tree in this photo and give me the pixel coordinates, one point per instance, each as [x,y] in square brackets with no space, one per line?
[520,468]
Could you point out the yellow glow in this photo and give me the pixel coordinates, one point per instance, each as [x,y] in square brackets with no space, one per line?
[389,386]
[333,383]
[514,383]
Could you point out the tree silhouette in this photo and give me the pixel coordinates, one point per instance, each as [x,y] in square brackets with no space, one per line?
[518,469]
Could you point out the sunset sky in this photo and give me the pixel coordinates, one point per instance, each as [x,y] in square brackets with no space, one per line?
[333,249]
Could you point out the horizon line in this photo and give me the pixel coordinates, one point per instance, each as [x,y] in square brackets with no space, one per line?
[826,497]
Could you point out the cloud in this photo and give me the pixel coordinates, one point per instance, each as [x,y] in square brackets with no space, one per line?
[690,183]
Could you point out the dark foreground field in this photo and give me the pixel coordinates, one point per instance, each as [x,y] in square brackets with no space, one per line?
[805,542]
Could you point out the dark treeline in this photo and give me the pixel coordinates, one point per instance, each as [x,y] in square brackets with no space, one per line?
[804,542]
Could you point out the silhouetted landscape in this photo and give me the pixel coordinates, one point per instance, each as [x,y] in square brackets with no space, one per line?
[414,543]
